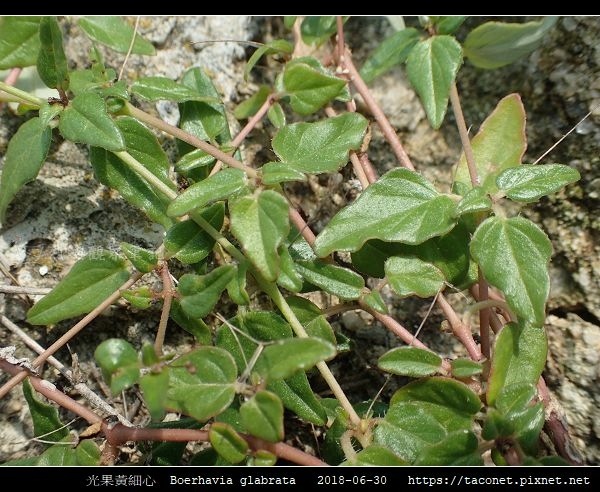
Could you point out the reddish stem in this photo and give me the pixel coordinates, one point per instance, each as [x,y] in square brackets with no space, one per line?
[461,332]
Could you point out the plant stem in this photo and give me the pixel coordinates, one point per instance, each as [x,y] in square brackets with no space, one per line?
[140,169]
[11,383]
[31,99]
[341,43]
[388,131]
[15,289]
[464,135]
[166,309]
[461,331]
[484,317]
[302,226]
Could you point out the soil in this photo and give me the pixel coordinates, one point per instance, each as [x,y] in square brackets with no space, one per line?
[65,213]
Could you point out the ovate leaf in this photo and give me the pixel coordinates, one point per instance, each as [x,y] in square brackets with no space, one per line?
[401,206]
[375,456]
[464,368]
[519,357]
[262,416]
[161,88]
[46,421]
[316,29]
[280,172]
[410,361]
[495,44]
[142,259]
[513,255]
[115,33]
[499,144]
[119,363]
[19,41]
[336,280]
[86,121]
[391,52]
[322,146]
[432,67]
[250,106]
[276,115]
[447,24]
[194,326]
[529,183]
[23,160]
[227,442]
[154,386]
[411,276]
[260,222]
[202,383]
[52,62]
[297,395]
[459,448]
[475,200]
[199,293]
[90,281]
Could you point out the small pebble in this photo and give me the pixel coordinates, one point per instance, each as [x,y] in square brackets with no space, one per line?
[43,270]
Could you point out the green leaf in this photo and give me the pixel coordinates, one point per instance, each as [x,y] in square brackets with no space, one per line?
[115,33]
[194,326]
[424,413]
[46,421]
[276,115]
[19,41]
[495,44]
[139,298]
[204,120]
[529,183]
[26,153]
[194,160]
[411,276]
[59,455]
[48,112]
[164,89]
[188,242]
[236,288]
[410,361]
[86,121]
[318,29]
[288,278]
[202,383]
[313,321]
[447,24]
[375,456]
[87,453]
[285,357]
[431,68]
[52,62]
[475,200]
[457,449]
[113,354]
[227,442]
[391,52]
[262,458]
[309,88]
[513,255]
[142,259]
[262,416]
[515,397]
[336,280]
[149,355]
[320,147]
[260,222]
[499,144]
[216,187]
[464,368]
[270,48]
[91,280]
[528,425]
[280,172]
[519,357]
[297,395]
[401,206]
[154,386]
[249,107]
[200,293]
[375,301]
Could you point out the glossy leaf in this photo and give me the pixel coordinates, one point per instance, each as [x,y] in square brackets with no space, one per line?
[513,255]
[188,242]
[194,326]
[309,88]
[194,160]
[115,33]
[297,395]
[46,421]
[475,200]
[391,52]
[519,357]
[276,115]
[457,449]
[86,121]
[164,89]
[91,280]
[249,107]
[260,223]
[19,41]
[51,62]
[200,293]
[202,383]
[333,279]
[431,68]
[216,187]
[495,44]
[529,183]
[410,361]
[285,357]
[499,144]
[26,153]
[262,416]
[280,172]
[401,206]
[272,47]
[226,441]
[139,298]
[375,301]
[142,259]
[316,29]
[114,353]
[313,321]
[464,368]
[528,425]
[375,456]
[411,276]
[154,386]
[515,397]
[322,146]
